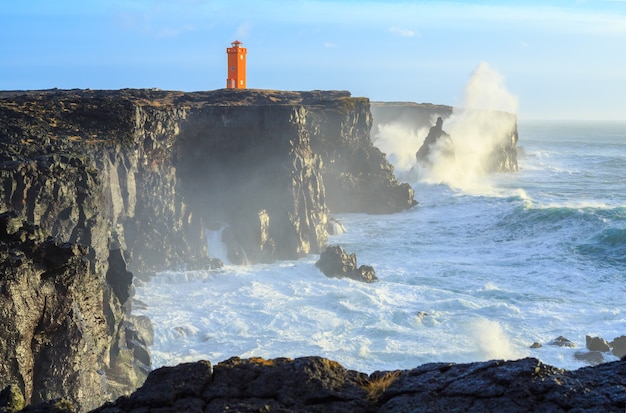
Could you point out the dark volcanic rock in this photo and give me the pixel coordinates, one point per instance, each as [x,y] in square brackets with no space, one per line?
[335,262]
[59,319]
[437,143]
[514,386]
[164,165]
[314,384]
[619,346]
[596,344]
[561,341]
[309,384]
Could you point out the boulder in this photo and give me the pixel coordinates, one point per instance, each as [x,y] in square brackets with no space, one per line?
[335,262]
[597,344]
[590,357]
[562,342]
[619,346]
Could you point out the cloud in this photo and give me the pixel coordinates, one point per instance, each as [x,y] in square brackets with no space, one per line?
[397,31]
[330,45]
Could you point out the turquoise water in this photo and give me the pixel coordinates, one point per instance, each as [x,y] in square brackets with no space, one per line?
[468,274]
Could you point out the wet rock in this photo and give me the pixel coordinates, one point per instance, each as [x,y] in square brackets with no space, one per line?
[437,144]
[561,341]
[501,156]
[619,346]
[590,357]
[597,344]
[335,262]
[536,345]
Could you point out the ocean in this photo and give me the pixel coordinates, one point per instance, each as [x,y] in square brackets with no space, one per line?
[474,272]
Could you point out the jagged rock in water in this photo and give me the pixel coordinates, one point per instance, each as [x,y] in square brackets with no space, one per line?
[561,341]
[597,344]
[335,262]
[619,346]
[335,227]
[590,357]
[437,146]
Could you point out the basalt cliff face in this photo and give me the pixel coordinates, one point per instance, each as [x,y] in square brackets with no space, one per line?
[97,185]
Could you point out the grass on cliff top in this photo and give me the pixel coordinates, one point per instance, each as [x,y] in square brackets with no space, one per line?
[377,386]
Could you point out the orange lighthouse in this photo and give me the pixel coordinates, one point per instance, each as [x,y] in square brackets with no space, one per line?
[236,78]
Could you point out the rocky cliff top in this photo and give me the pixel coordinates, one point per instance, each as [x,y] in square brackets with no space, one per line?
[315,384]
[93,116]
[158,97]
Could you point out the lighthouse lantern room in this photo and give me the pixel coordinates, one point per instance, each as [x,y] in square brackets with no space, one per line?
[236,78]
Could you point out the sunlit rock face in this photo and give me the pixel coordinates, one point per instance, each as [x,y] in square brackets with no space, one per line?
[132,180]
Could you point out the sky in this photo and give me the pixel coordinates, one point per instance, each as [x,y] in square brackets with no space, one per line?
[560,60]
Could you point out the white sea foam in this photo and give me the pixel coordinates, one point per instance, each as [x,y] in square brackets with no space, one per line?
[463,277]
[215,246]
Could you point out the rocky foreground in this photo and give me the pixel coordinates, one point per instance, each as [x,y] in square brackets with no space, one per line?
[315,384]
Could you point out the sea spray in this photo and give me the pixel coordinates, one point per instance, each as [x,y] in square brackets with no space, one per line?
[400,142]
[490,341]
[477,128]
[216,246]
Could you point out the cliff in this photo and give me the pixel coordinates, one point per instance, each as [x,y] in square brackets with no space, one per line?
[129,181]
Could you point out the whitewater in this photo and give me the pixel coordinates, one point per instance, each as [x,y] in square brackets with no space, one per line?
[469,274]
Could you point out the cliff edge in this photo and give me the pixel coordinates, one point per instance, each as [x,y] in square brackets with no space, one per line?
[315,384]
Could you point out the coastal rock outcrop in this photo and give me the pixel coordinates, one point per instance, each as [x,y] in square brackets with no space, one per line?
[314,384]
[335,262]
[436,144]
